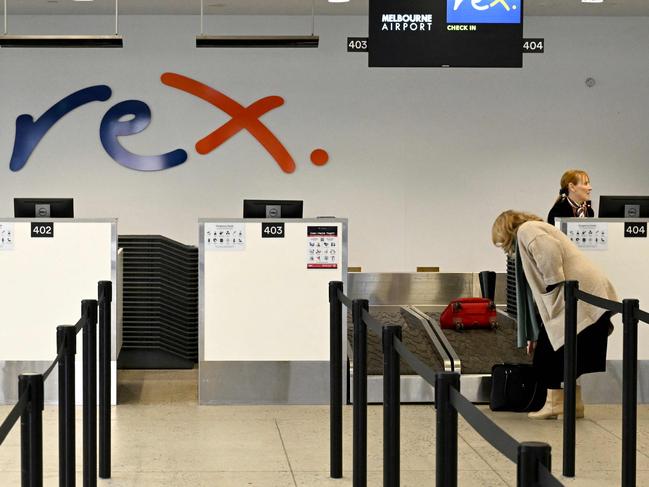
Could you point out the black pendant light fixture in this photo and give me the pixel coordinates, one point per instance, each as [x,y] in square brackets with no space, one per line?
[256,41]
[76,41]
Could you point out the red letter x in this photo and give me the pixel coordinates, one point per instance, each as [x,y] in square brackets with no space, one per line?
[242,118]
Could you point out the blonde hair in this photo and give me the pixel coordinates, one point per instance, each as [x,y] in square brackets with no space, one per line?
[503,231]
[574,176]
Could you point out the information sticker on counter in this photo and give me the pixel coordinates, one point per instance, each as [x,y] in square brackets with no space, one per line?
[6,236]
[225,236]
[322,247]
[589,236]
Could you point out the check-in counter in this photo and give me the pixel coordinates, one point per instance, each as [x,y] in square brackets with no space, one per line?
[624,258]
[620,248]
[47,267]
[264,308]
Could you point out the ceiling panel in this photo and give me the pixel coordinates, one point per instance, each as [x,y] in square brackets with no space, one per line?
[298,7]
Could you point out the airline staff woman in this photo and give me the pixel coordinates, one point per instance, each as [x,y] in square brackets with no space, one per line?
[574,197]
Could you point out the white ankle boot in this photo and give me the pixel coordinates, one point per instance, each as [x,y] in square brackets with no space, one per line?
[579,404]
[553,407]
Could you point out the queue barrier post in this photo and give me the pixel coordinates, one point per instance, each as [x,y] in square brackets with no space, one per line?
[391,408]
[446,426]
[532,454]
[630,308]
[105,297]
[359,440]
[67,342]
[336,380]
[31,430]
[570,378]
[89,315]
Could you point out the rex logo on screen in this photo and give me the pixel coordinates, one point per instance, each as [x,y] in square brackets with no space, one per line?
[30,132]
[483,11]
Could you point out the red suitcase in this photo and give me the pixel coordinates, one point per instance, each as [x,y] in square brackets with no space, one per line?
[469,313]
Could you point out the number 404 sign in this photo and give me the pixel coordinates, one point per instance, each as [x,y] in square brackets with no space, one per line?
[635,229]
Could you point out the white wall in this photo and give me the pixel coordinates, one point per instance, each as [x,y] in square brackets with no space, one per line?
[422,160]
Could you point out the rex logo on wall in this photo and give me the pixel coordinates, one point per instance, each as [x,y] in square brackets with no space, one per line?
[30,132]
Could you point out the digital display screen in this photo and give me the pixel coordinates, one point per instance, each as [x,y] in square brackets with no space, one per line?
[454,33]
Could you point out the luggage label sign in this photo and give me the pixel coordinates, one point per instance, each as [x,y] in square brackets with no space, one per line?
[322,247]
[6,236]
[225,236]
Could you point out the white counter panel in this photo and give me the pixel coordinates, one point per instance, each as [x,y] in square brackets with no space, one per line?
[42,283]
[262,303]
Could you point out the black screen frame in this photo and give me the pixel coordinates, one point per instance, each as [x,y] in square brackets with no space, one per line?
[257,208]
[59,207]
[612,206]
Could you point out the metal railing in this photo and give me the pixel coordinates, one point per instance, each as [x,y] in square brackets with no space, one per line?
[533,459]
[631,316]
[30,405]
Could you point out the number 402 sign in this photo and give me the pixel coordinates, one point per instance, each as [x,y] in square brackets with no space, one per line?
[42,230]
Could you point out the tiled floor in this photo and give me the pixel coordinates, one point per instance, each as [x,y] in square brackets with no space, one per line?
[162,438]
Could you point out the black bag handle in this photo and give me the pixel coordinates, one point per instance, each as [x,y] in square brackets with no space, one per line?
[536,388]
[508,371]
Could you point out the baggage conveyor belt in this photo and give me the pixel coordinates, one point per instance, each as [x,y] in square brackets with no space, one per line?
[472,352]
[480,349]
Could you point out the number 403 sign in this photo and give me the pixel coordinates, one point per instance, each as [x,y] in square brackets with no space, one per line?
[357,44]
[272,230]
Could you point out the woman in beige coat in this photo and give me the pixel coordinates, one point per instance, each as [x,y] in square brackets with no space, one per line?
[548,259]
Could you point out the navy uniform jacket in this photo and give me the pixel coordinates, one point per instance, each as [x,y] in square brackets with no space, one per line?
[563,209]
